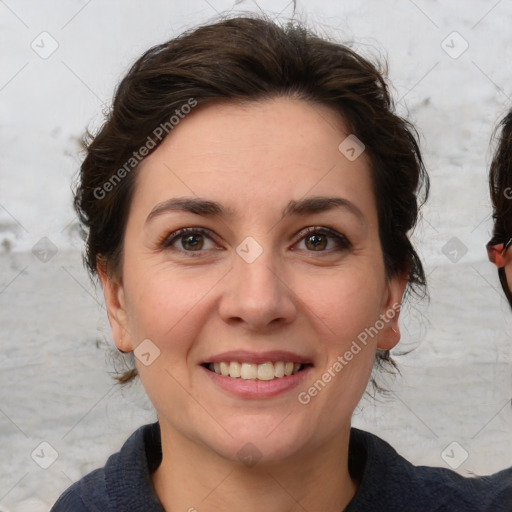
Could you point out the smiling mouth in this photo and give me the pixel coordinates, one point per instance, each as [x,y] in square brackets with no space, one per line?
[251,371]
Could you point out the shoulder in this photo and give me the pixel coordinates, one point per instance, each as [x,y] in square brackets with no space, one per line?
[86,495]
[125,477]
[389,480]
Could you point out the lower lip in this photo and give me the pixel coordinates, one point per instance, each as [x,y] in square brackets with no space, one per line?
[254,388]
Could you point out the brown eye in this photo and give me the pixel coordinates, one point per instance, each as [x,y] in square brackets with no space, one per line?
[317,239]
[188,240]
[316,242]
[192,242]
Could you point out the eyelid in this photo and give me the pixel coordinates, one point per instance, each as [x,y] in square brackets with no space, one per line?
[341,240]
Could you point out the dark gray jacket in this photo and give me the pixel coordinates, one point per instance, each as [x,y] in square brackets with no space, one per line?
[387,482]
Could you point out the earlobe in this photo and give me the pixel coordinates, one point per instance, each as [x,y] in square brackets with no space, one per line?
[115,303]
[390,333]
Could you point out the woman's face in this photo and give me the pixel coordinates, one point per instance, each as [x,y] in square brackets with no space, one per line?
[281,263]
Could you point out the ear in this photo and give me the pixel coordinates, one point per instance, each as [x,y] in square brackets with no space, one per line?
[495,255]
[390,333]
[116,306]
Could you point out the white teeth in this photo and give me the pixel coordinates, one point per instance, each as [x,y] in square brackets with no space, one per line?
[249,371]
[252,371]
[235,369]
[279,369]
[265,371]
[224,369]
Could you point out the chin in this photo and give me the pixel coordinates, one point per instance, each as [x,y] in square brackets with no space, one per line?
[266,439]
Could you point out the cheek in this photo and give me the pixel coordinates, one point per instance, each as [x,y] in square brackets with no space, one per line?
[346,310]
[162,303]
[349,309]
[347,303]
[168,310]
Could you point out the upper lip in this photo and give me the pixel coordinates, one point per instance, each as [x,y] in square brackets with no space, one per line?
[244,356]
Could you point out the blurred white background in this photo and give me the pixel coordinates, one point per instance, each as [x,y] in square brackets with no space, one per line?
[450,63]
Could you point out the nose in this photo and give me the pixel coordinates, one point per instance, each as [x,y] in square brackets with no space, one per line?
[257,295]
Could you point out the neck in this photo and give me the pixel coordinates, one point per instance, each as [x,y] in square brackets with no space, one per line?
[192,478]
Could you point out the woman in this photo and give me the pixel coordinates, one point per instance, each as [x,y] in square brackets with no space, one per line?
[500,181]
[247,204]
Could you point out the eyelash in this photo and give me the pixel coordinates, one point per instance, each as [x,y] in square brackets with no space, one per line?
[341,241]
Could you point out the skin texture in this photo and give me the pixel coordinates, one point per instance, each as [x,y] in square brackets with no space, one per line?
[253,159]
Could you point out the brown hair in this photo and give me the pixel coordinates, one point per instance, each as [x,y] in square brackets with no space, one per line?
[251,59]
[500,184]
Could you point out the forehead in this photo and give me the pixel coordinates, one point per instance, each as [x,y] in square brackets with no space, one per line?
[257,154]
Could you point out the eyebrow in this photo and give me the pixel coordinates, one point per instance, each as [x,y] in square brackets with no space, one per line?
[301,207]
[321,204]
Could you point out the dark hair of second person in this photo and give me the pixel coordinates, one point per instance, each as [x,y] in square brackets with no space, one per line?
[500,185]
